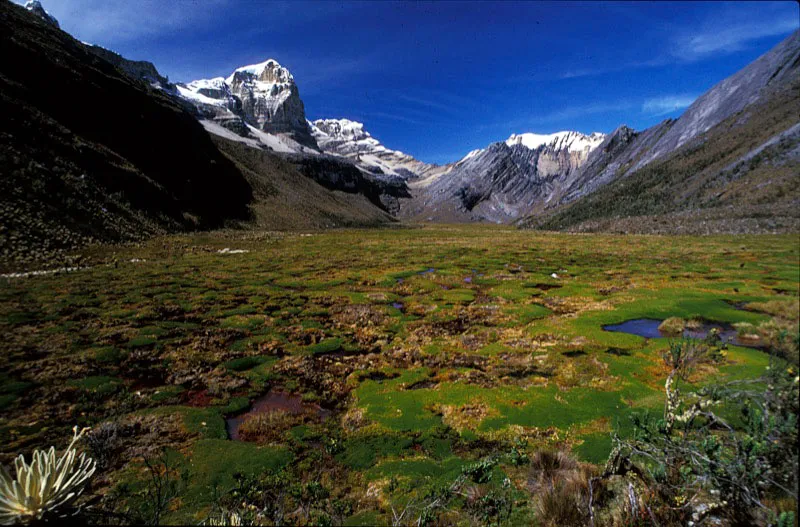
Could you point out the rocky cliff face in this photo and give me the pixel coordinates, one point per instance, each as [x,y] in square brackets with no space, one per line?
[614,156]
[264,96]
[349,139]
[35,7]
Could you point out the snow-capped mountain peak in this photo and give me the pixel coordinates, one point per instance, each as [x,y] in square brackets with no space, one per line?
[345,131]
[347,138]
[262,95]
[342,129]
[269,71]
[569,140]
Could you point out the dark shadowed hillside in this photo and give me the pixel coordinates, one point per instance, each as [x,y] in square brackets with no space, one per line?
[87,153]
[301,194]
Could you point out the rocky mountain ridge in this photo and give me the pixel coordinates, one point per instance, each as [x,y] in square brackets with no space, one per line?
[504,181]
[730,163]
[35,7]
[349,139]
[526,175]
[262,96]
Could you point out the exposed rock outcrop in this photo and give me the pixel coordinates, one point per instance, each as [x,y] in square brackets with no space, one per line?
[35,7]
[503,181]
[264,96]
[349,139]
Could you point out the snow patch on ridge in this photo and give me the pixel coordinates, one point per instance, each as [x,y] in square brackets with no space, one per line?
[572,141]
[282,74]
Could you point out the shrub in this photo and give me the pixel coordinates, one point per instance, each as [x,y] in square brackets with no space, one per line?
[267,426]
[47,487]
[560,486]
[244,363]
[102,442]
[326,346]
[723,452]
[672,327]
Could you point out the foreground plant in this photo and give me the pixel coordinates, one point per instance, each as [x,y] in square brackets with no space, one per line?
[722,452]
[46,487]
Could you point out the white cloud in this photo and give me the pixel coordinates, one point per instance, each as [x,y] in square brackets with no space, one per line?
[728,31]
[726,37]
[667,104]
[115,21]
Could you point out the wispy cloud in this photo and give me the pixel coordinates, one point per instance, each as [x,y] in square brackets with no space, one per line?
[667,104]
[573,112]
[603,70]
[726,33]
[114,21]
[316,75]
[724,39]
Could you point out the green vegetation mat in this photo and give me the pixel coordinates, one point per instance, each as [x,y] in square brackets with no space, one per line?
[413,350]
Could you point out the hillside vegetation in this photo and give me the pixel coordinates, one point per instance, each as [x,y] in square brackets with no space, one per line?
[731,179]
[378,366]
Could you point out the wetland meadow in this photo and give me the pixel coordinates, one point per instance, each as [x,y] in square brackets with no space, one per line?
[366,370]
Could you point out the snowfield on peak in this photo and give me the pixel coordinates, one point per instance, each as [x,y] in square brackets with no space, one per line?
[281,74]
[572,141]
[349,139]
[263,96]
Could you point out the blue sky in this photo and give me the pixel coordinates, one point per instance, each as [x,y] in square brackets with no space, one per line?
[437,80]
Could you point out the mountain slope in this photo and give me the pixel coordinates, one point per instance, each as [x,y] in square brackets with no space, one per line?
[730,96]
[502,182]
[263,97]
[72,172]
[299,193]
[740,175]
[349,139]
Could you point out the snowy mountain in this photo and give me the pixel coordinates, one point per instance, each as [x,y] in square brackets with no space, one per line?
[257,98]
[349,139]
[571,141]
[503,181]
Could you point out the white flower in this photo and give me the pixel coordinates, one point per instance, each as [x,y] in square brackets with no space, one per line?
[45,485]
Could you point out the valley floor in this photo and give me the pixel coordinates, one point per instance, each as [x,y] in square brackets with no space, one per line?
[414,350]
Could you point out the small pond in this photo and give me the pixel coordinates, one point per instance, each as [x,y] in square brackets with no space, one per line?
[274,401]
[648,328]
